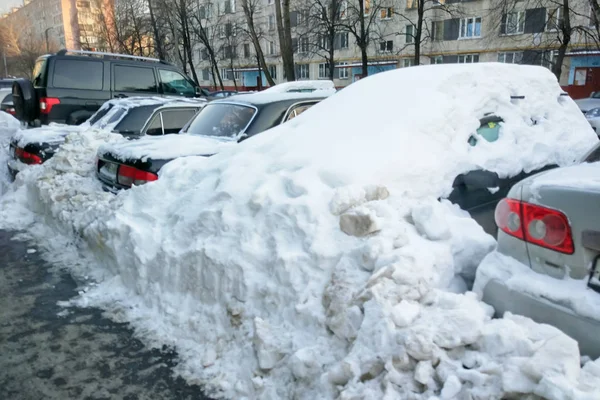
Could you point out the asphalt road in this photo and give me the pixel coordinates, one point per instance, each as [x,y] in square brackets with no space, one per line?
[49,353]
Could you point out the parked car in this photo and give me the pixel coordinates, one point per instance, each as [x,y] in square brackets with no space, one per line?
[221,123]
[69,86]
[591,109]
[6,95]
[7,105]
[133,118]
[549,231]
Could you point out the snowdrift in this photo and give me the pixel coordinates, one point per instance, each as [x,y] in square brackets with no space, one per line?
[8,126]
[315,260]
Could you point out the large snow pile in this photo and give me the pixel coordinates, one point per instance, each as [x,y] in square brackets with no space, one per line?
[8,126]
[295,86]
[314,260]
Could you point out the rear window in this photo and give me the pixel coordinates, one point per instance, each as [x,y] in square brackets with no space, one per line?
[100,113]
[39,73]
[134,79]
[135,119]
[78,74]
[222,119]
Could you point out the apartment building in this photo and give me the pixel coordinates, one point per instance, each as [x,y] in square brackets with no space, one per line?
[453,31]
[70,24]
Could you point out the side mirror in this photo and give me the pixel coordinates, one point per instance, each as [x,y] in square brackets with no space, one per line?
[479,179]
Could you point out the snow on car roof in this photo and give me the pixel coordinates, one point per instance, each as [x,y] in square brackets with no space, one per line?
[301,86]
[318,251]
[271,97]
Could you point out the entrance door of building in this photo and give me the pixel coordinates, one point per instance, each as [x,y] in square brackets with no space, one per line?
[586,81]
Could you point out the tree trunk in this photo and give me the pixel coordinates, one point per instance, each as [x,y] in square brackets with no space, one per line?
[364,40]
[419,32]
[332,31]
[565,40]
[158,46]
[282,14]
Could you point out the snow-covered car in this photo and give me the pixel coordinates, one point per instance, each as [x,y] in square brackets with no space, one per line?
[131,117]
[591,108]
[221,124]
[546,264]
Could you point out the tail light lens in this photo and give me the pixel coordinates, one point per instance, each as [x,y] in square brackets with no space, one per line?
[27,157]
[46,104]
[535,224]
[128,176]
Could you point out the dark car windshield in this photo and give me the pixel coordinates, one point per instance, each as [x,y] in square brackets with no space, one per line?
[100,113]
[135,119]
[222,119]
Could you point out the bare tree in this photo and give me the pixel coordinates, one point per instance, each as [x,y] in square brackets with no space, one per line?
[22,46]
[205,28]
[284,31]
[325,21]
[156,31]
[250,7]
[361,19]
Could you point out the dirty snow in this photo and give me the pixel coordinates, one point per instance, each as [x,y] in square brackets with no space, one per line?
[242,262]
[8,126]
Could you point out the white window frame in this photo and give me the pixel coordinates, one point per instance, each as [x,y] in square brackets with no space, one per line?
[466,57]
[436,60]
[389,12]
[323,71]
[344,9]
[347,36]
[303,45]
[271,47]
[271,22]
[222,31]
[512,55]
[303,71]
[385,45]
[273,71]
[343,72]
[408,62]
[409,38]
[520,26]
[552,14]
[553,56]
[463,27]
[225,74]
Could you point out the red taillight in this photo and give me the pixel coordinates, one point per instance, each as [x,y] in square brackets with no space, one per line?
[46,104]
[535,224]
[27,157]
[128,175]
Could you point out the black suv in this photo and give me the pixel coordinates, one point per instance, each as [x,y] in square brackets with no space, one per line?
[69,86]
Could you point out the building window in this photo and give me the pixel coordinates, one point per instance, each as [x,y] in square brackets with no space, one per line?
[302,17]
[555,19]
[437,28]
[408,62]
[225,74]
[436,60]
[468,58]
[386,12]
[324,71]
[203,54]
[549,59]
[515,23]
[592,17]
[366,6]
[302,71]
[246,50]
[410,33]
[222,31]
[470,27]
[324,42]
[412,4]
[344,9]
[343,72]
[386,46]
[271,48]
[269,2]
[205,74]
[273,71]
[271,22]
[514,57]
[304,45]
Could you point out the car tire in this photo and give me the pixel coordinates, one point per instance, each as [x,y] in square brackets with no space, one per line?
[25,100]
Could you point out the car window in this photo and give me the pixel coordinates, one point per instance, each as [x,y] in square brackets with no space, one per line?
[175,120]
[594,155]
[78,74]
[134,79]
[39,73]
[222,119]
[135,119]
[112,118]
[100,114]
[174,83]
[297,110]
[155,126]
[489,130]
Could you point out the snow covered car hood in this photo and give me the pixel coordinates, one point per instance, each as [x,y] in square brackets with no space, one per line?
[587,104]
[53,134]
[166,147]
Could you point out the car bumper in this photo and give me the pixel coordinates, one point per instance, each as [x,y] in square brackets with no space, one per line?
[496,289]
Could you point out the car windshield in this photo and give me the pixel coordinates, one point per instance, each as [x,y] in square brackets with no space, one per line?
[222,120]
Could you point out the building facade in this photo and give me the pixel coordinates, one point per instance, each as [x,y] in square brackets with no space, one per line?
[452,31]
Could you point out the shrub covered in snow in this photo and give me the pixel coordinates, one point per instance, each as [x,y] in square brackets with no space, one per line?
[315,260]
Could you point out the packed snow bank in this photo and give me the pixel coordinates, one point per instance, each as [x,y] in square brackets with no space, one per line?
[315,260]
[51,134]
[8,126]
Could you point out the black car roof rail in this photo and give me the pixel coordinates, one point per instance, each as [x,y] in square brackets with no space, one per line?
[109,55]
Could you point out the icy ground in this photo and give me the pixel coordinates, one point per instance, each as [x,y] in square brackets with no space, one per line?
[315,261]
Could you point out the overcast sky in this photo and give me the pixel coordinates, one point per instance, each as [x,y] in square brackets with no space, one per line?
[5,5]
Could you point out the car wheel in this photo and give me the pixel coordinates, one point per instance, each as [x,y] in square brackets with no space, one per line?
[25,100]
